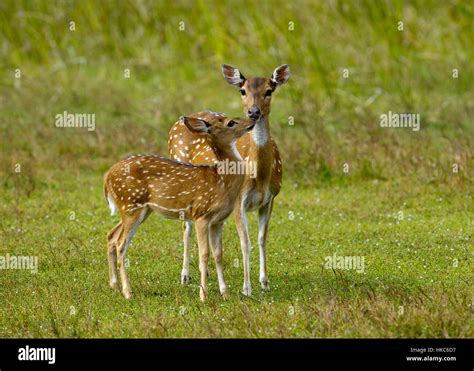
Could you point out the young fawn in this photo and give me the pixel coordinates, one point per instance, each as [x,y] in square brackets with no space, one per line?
[257,147]
[139,185]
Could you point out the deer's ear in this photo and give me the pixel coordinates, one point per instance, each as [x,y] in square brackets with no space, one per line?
[233,76]
[195,125]
[281,74]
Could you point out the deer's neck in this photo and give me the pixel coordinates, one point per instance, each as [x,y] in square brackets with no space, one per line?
[228,153]
[261,132]
[229,161]
[261,151]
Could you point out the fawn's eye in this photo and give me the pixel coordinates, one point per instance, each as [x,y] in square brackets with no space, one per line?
[268,93]
[242,91]
[231,123]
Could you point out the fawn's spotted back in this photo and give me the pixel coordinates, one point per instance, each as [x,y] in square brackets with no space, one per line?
[167,186]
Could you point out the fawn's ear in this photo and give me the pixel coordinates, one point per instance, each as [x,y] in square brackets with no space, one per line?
[232,75]
[281,74]
[195,125]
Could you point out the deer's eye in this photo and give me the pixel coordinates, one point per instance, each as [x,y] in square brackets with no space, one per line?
[242,91]
[231,123]
[268,93]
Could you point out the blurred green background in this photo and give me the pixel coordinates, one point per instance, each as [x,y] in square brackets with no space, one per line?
[54,207]
[173,72]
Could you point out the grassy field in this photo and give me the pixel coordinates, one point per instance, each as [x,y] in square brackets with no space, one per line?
[400,206]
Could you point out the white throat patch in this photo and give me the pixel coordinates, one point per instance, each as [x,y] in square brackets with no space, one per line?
[259,134]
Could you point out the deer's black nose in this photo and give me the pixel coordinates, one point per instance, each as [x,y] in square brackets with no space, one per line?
[254,113]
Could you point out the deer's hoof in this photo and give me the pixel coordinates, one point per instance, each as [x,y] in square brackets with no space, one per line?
[127,294]
[247,291]
[225,293]
[185,279]
[264,283]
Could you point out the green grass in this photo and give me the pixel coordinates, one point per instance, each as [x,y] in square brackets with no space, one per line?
[418,277]
[408,263]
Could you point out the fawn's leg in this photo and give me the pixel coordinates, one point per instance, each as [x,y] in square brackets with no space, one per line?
[202,232]
[264,214]
[112,238]
[187,230]
[215,237]
[130,224]
[243,231]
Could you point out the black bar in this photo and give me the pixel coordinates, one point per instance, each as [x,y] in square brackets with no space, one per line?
[126,352]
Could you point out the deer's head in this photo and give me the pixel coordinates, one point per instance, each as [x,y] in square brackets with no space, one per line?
[220,130]
[256,92]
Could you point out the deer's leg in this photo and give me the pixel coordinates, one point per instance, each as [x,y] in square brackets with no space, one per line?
[242,230]
[187,230]
[264,214]
[130,224]
[215,237]
[112,238]
[202,232]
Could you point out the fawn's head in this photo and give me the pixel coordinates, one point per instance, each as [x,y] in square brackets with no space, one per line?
[256,92]
[220,130]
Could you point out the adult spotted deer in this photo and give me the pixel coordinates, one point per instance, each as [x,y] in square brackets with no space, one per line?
[140,185]
[257,193]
